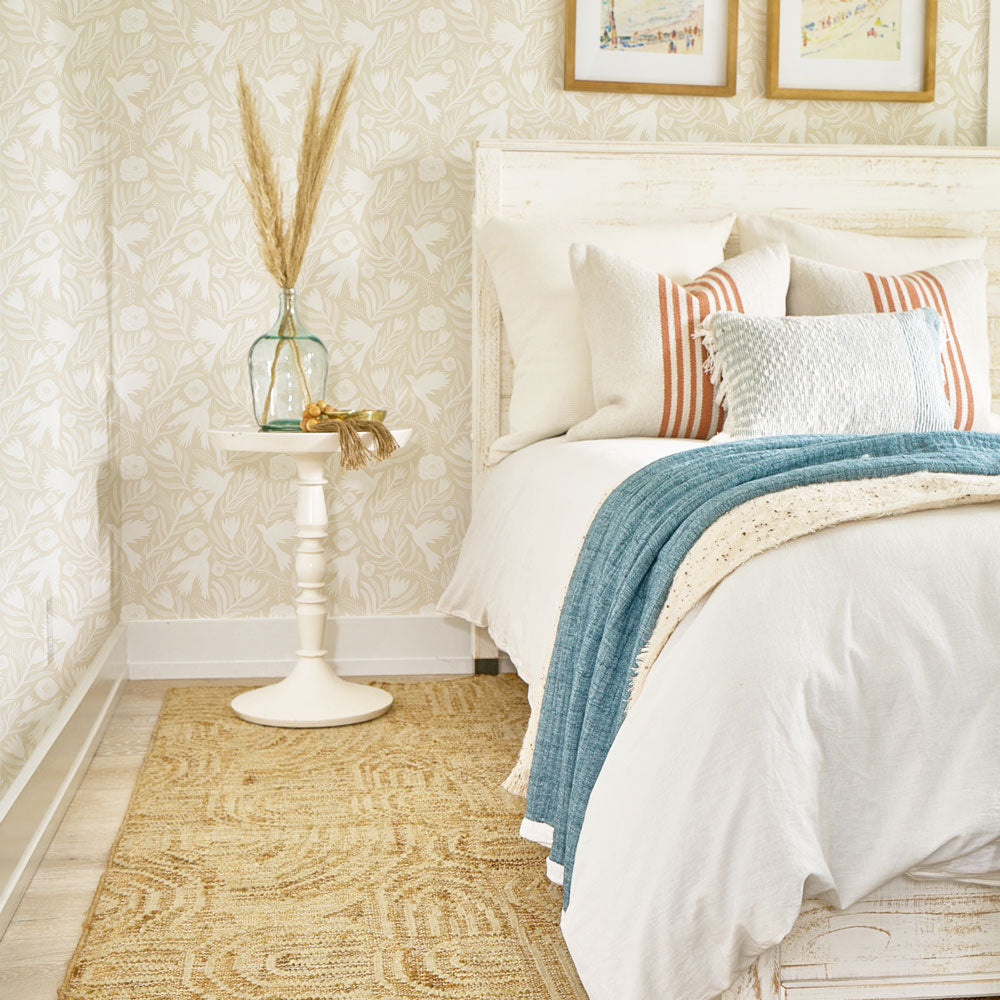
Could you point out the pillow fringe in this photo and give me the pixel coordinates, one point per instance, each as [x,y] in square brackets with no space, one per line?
[713,364]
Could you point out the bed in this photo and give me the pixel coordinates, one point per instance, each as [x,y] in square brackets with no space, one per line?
[934,937]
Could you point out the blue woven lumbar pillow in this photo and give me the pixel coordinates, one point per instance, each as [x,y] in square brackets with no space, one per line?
[860,374]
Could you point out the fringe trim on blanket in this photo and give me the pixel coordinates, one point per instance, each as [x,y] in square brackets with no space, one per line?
[769,521]
[517,781]
[763,524]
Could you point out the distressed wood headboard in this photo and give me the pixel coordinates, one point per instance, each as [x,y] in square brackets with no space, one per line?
[891,190]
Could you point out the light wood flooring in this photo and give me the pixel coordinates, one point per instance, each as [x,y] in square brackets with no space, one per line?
[41,937]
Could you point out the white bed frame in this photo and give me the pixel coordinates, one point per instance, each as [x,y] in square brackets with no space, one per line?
[909,939]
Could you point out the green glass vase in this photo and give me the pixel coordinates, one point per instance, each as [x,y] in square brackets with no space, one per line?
[288,369]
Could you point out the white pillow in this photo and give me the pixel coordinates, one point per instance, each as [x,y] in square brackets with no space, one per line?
[649,368]
[882,254]
[529,264]
[868,373]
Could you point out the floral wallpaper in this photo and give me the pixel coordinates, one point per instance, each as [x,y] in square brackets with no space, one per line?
[57,600]
[127,108]
[387,280]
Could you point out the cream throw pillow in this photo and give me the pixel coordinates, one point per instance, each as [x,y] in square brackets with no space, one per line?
[529,264]
[884,254]
[957,291]
[861,374]
[649,366]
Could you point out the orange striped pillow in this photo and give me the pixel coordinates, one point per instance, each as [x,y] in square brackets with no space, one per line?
[903,292]
[648,365]
[956,291]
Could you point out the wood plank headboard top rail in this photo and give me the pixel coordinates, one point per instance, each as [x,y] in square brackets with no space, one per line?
[887,190]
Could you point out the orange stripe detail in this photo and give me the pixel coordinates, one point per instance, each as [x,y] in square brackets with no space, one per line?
[876,297]
[913,291]
[706,393]
[682,392]
[714,289]
[948,366]
[693,382]
[700,297]
[722,288]
[922,297]
[665,344]
[711,284]
[714,411]
[900,294]
[887,289]
[689,406]
[708,405]
[954,345]
[705,288]
[718,292]
[727,278]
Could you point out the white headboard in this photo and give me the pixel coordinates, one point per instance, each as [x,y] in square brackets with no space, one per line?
[893,190]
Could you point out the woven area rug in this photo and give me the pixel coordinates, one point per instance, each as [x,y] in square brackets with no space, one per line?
[373,861]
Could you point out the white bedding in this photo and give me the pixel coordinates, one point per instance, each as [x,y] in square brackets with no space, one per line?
[528,527]
[891,733]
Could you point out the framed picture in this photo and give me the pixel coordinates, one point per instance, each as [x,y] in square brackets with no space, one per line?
[652,46]
[839,50]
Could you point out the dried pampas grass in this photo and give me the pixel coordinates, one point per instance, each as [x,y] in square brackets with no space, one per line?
[283,243]
[318,139]
[262,187]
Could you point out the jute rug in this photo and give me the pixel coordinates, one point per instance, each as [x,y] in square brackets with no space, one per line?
[365,862]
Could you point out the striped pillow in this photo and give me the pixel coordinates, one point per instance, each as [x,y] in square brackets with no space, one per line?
[956,291]
[648,366]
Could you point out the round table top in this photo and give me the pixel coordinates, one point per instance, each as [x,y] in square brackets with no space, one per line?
[290,442]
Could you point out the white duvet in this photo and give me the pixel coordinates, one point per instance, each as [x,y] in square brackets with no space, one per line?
[825,720]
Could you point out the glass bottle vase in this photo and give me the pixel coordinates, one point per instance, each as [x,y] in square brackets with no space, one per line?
[288,369]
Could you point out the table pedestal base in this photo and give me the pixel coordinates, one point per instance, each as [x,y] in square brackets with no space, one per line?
[311,696]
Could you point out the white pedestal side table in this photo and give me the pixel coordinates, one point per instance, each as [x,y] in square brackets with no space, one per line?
[313,694]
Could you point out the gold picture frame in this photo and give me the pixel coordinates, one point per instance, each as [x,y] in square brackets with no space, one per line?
[720,62]
[918,58]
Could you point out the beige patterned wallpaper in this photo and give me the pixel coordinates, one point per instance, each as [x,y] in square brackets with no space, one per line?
[56,596]
[386,284]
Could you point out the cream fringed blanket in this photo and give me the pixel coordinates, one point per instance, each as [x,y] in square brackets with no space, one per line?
[763,524]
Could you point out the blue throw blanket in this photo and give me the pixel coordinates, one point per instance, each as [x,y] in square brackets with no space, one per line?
[622,577]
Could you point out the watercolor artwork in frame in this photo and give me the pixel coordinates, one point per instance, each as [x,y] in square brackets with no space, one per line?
[652,46]
[851,50]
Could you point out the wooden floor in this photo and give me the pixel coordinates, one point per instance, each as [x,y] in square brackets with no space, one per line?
[43,932]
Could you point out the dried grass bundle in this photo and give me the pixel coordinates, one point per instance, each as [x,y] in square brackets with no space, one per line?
[283,244]
[318,139]
[262,187]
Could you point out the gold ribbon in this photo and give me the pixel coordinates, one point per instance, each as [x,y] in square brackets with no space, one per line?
[318,418]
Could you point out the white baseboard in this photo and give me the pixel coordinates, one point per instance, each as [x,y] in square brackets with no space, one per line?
[31,809]
[264,647]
